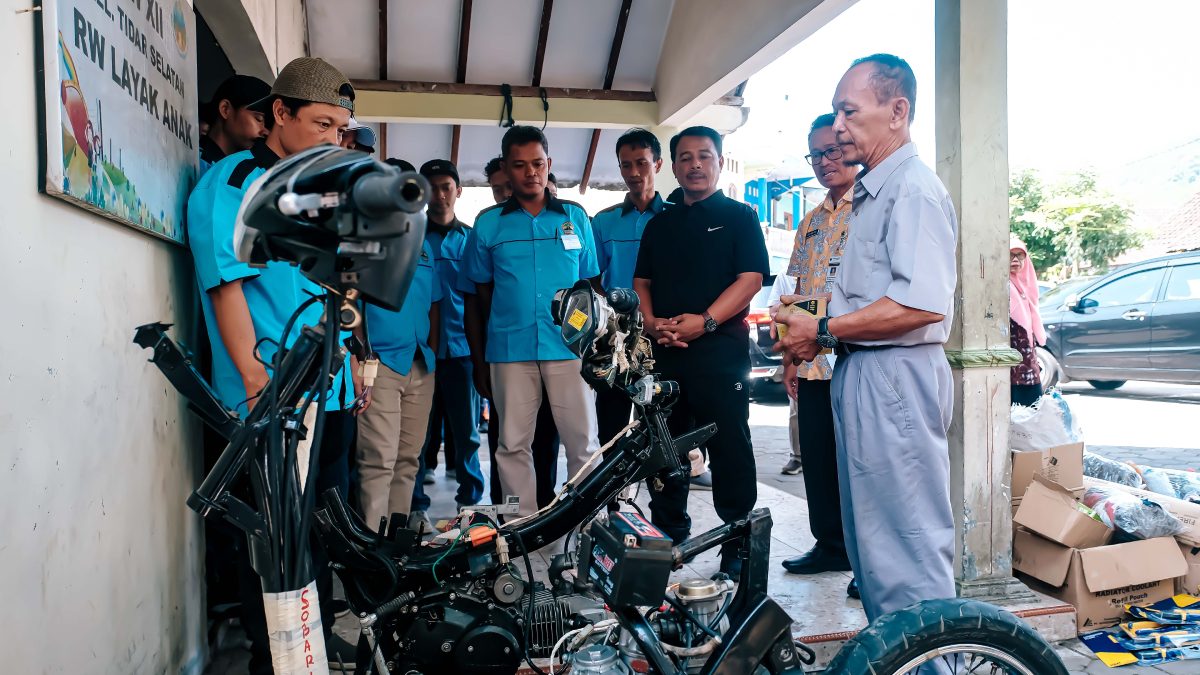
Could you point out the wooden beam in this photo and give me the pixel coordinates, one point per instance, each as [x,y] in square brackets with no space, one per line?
[591,158]
[464,42]
[409,87]
[383,67]
[614,55]
[539,57]
[460,73]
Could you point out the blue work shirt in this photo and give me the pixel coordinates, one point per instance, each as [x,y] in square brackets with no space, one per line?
[618,231]
[272,293]
[529,258]
[396,336]
[447,260]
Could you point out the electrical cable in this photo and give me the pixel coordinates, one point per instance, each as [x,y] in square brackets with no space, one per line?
[506,108]
[545,108]
[690,617]
[528,606]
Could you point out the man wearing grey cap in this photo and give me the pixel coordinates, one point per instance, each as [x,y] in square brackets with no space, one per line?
[309,104]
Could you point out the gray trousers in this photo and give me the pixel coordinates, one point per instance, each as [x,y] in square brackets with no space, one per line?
[892,409]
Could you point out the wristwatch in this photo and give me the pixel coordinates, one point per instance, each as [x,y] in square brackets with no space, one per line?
[824,339]
[710,324]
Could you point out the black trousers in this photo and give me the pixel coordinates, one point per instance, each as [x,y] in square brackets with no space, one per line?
[545,449]
[1026,394]
[439,431]
[706,397]
[613,409]
[818,454]
[339,430]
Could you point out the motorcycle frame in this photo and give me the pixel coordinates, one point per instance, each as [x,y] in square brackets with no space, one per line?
[759,627]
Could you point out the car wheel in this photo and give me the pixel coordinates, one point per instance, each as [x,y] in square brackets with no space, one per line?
[1051,371]
[1106,385]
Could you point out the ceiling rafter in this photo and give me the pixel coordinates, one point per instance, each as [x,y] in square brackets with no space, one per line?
[383,69]
[614,55]
[539,57]
[460,73]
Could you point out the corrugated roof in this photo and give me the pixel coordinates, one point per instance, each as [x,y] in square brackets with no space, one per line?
[1181,231]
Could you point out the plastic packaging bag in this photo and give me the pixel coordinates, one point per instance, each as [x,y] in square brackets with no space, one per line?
[1045,425]
[1183,485]
[1103,468]
[1139,518]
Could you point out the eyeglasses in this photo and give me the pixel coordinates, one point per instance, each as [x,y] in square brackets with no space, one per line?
[1016,255]
[832,154]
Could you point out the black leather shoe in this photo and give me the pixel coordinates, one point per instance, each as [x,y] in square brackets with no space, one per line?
[817,560]
[852,589]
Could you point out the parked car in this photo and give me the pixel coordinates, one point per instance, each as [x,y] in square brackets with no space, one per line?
[766,367]
[1057,295]
[1141,322]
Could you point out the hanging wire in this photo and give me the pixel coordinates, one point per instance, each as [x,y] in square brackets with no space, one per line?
[506,109]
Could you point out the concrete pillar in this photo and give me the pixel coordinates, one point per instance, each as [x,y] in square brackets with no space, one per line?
[972,161]
[665,181]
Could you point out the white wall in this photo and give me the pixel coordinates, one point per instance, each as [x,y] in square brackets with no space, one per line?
[100,560]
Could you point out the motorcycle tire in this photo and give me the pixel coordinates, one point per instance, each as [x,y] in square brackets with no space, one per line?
[895,643]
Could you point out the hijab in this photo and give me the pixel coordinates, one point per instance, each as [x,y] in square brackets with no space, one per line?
[1023,295]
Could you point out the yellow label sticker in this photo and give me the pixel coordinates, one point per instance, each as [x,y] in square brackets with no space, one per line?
[577,319]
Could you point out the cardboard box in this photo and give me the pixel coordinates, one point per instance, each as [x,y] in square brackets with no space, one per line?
[1100,581]
[1187,512]
[1051,510]
[1062,464]
[1190,582]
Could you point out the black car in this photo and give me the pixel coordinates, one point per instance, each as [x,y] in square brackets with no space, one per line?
[766,366]
[1141,322]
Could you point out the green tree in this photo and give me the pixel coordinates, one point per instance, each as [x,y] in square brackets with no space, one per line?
[1073,225]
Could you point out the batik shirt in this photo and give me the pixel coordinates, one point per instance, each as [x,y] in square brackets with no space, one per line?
[816,257]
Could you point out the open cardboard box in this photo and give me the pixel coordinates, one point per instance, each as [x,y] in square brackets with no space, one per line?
[1062,464]
[1190,582]
[1187,512]
[1052,511]
[1101,580]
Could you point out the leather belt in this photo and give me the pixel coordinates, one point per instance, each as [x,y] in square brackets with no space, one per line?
[846,348]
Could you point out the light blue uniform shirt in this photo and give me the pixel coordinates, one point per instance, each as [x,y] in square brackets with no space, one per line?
[529,258]
[272,293]
[618,231]
[396,336]
[447,260]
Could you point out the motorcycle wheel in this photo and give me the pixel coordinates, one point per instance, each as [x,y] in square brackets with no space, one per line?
[960,636]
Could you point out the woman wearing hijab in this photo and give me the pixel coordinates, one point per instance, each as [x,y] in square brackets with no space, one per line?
[1025,324]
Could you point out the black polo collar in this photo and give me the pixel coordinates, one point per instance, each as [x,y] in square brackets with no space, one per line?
[210,151]
[712,201]
[655,204]
[263,155]
[552,203]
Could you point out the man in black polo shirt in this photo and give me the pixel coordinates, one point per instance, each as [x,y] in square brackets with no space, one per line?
[700,263]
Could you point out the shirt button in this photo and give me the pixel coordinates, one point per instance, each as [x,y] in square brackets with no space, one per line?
[539,295]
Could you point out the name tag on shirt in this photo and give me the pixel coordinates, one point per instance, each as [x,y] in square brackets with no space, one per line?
[571,242]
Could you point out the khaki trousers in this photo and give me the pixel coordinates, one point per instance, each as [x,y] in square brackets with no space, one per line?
[518,392]
[391,433]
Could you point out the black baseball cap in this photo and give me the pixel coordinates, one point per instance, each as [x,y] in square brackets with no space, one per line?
[440,167]
[403,165]
[240,90]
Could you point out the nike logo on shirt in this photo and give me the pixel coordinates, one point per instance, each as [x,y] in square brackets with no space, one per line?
[714,229]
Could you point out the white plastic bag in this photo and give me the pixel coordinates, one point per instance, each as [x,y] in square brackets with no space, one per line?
[1047,424]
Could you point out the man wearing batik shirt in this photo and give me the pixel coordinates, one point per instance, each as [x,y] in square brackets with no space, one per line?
[810,274]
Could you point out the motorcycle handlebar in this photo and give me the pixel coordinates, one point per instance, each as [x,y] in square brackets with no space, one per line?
[379,194]
[623,300]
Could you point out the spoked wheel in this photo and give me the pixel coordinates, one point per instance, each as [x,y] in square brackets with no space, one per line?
[948,637]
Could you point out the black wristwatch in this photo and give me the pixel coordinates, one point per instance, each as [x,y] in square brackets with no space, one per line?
[710,324]
[824,339]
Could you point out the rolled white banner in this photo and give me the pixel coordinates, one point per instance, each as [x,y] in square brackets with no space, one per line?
[295,633]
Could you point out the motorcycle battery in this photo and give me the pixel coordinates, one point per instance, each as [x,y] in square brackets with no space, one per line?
[630,560]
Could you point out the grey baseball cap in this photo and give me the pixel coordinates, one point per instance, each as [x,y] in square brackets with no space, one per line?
[310,79]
